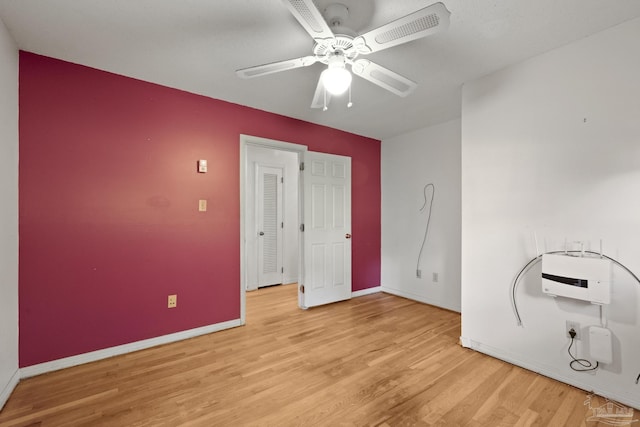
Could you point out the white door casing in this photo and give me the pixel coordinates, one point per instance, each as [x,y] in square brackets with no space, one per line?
[269,224]
[247,222]
[327,229]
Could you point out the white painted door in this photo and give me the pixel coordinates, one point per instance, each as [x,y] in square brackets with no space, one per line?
[269,225]
[327,229]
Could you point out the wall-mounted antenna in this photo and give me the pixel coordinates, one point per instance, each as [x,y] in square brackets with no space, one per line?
[601,255]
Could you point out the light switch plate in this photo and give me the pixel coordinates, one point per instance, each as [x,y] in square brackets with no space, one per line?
[202,166]
[202,205]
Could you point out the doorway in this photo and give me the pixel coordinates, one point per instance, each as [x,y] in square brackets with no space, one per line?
[323,206]
[271,216]
[257,157]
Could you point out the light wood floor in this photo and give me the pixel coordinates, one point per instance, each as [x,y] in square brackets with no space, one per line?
[375,360]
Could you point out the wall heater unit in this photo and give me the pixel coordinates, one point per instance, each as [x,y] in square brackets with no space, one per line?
[583,278]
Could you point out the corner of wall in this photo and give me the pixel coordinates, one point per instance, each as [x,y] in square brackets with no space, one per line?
[9,373]
[8,389]
[421,223]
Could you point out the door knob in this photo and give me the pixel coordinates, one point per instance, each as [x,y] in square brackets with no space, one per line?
[347,236]
[261,233]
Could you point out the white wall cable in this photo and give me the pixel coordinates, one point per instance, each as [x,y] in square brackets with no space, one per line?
[426,230]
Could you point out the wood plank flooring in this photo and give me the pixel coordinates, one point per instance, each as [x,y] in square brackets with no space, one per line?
[377,360]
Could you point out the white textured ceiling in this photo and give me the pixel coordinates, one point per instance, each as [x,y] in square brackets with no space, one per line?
[196,46]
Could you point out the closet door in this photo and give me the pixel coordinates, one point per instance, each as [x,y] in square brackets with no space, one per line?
[269,225]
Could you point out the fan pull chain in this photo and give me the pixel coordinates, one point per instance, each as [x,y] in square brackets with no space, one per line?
[349,104]
[325,100]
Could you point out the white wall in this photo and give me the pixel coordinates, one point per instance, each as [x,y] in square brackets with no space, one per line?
[552,146]
[409,162]
[288,161]
[8,214]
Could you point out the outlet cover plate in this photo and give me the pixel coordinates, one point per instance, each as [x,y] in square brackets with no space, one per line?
[172,301]
[575,326]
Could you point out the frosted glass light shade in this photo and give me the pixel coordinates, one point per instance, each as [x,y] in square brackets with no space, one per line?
[336,80]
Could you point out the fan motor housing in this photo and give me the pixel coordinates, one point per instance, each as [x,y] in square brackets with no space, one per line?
[342,43]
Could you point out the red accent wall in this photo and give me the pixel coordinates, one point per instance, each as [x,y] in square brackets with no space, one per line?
[108,207]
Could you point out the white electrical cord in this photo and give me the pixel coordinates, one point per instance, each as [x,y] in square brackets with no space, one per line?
[426,230]
[603,319]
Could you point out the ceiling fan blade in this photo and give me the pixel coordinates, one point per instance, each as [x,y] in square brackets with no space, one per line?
[383,77]
[310,18]
[274,67]
[421,23]
[319,100]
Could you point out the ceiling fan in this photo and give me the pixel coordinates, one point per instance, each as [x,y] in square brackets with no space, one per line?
[342,47]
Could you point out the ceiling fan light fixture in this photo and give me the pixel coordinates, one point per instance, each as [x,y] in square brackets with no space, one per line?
[336,78]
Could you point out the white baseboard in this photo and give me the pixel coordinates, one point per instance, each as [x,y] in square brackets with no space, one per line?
[467,343]
[544,370]
[93,356]
[421,298]
[8,389]
[368,291]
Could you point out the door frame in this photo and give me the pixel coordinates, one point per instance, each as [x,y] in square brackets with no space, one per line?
[246,140]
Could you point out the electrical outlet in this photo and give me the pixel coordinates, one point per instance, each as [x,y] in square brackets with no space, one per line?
[435,277]
[418,273]
[172,301]
[575,326]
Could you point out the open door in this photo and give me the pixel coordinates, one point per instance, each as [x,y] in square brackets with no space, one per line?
[327,229]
